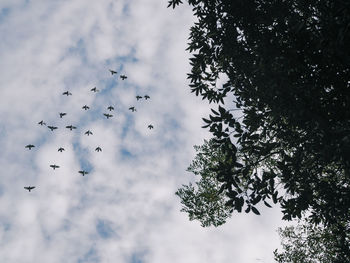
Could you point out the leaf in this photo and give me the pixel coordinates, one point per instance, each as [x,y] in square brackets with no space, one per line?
[206,121]
[222,110]
[215,112]
[274,197]
[238,165]
[267,204]
[255,211]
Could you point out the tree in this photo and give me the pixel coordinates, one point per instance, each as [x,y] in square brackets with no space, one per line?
[308,243]
[287,64]
[204,201]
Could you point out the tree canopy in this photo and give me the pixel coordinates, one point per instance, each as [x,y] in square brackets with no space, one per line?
[204,201]
[287,64]
[308,243]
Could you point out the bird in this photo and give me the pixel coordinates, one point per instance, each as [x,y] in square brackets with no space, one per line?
[41,123]
[66,93]
[138,97]
[110,108]
[95,89]
[71,127]
[83,172]
[107,115]
[88,132]
[123,77]
[113,72]
[62,114]
[85,107]
[146,97]
[60,149]
[132,109]
[150,126]
[98,149]
[52,128]
[29,146]
[29,188]
[54,166]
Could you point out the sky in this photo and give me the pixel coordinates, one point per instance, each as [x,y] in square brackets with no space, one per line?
[124,209]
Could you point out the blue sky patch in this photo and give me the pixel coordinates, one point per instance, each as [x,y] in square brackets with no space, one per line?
[104,229]
[126,154]
[137,257]
[84,163]
[90,256]
[4,13]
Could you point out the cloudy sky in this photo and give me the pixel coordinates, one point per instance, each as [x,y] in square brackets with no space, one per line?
[125,209]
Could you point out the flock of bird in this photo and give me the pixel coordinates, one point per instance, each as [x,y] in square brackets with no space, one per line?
[88,132]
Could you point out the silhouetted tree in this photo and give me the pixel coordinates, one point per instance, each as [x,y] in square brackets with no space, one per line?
[204,201]
[308,243]
[287,65]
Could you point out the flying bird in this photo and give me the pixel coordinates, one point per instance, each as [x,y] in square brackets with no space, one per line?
[150,126]
[85,107]
[29,188]
[138,97]
[147,97]
[83,172]
[41,123]
[71,127]
[113,72]
[95,89]
[123,77]
[60,149]
[107,115]
[98,149]
[52,128]
[54,166]
[62,114]
[110,108]
[66,93]
[132,109]
[88,132]
[29,146]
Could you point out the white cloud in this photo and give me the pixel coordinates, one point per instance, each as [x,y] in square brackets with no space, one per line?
[51,47]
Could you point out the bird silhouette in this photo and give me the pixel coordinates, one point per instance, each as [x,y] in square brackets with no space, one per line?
[66,93]
[110,108]
[85,107]
[113,72]
[41,123]
[95,89]
[98,149]
[29,188]
[29,146]
[133,109]
[138,97]
[60,149]
[71,127]
[108,115]
[62,114]
[150,126]
[83,172]
[123,77]
[54,166]
[146,97]
[52,128]
[88,132]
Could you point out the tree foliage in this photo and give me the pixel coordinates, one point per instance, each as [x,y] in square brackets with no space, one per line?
[308,243]
[204,201]
[287,64]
